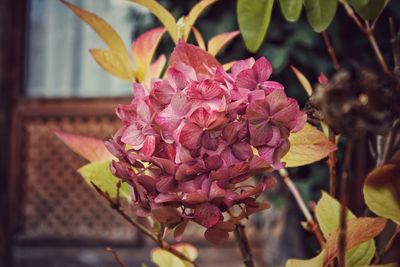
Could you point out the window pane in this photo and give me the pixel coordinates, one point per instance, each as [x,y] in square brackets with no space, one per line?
[59,64]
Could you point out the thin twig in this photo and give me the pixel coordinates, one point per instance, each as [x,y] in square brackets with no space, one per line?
[388,246]
[241,238]
[116,257]
[312,225]
[394,41]
[375,47]
[331,51]
[164,245]
[352,15]
[343,205]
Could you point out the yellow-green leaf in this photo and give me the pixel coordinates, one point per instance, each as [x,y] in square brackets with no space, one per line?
[193,15]
[164,258]
[307,146]
[216,43]
[327,212]
[320,13]
[313,262]
[368,9]
[105,31]
[199,38]
[303,80]
[381,190]
[112,63]
[163,15]
[291,9]
[254,17]
[99,173]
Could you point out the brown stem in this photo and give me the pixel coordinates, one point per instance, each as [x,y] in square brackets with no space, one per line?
[368,31]
[343,205]
[241,238]
[331,51]
[375,47]
[332,165]
[164,245]
[394,41]
[390,243]
[312,225]
[116,257]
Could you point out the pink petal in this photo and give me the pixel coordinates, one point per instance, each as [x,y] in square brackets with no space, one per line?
[177,79]
[216,191]
[149,145]
[180,104]
[242,151]
[263,69]
[168,215]
[247,79]
[260,134]
[214,162]
[178,232]
[163,198]
[190,136]
[195,198]
[277,100]
[210,89]
[322,79]
[258,111]
[207,214]
[241,65]
[133,136]
[270,86]
[216,236]
[299,122]
[208,142]
[167,184]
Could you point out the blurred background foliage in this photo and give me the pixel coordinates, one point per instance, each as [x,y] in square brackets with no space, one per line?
[286,44]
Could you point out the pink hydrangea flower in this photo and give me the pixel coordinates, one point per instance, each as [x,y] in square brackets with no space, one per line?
[190,143]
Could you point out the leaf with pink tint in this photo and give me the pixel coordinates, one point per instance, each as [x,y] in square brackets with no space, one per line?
[156,69]
[143,50]
[193,56]
[216,43]
[89,148]
[207,214]
[307,146]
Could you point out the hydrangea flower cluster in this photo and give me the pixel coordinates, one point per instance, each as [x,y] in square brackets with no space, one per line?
[190,143]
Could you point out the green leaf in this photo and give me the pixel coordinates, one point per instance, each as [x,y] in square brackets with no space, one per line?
[320,13]
[99,173]
[382,202]
[291,9]
[313,262]
[253,18]
[327,212]
[368,9]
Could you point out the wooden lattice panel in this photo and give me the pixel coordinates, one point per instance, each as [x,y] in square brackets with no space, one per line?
[57,202]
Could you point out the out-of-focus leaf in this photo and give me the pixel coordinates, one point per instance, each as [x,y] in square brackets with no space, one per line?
[164,258]
[303,80]
[327,212]
[384,265]
[291,9]
[253,18]
[199,38]
[112,63]
[381,191]
[216,43]
[314,262]
[193,56]
[143,50]
[307,146]
[163,16]
[228,66]
[368,9]
[99,173]
[359,230]
[156,69]
[194,13]
[105,31]
[90,148]
[320,13]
